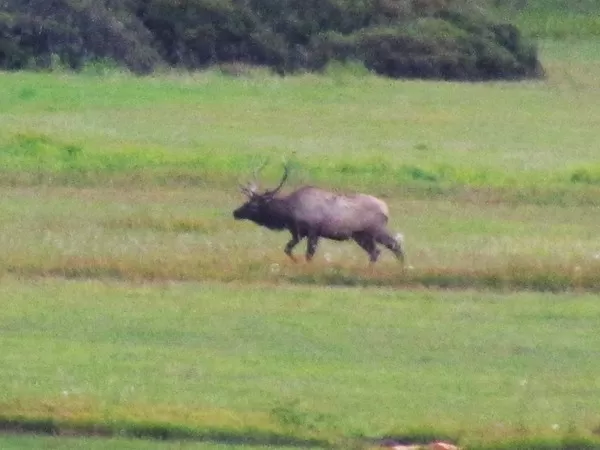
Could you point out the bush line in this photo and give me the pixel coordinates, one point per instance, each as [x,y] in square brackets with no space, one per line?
[450,39]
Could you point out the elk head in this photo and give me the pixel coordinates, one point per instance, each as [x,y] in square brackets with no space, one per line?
[255,208]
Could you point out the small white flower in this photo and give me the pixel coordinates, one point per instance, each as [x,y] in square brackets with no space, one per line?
[274,268]
[555,427]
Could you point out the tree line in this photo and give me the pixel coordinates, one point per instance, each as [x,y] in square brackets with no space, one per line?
[439,39]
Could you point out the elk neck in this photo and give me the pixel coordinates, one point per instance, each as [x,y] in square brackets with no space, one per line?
[276,214]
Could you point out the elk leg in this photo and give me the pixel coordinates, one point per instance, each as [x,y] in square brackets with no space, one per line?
[311,247]
[367,243]
[385,239]
[291,244]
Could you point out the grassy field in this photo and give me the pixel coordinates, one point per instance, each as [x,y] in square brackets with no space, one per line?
[298,363]
[135,307]
[349,130]
[493,185]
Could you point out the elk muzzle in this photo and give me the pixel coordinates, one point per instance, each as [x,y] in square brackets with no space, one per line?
[237,214]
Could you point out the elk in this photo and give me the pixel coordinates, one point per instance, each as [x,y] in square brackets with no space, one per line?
[313,213]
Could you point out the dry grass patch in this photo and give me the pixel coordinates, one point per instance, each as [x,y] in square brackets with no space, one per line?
[162,234]
[516,275]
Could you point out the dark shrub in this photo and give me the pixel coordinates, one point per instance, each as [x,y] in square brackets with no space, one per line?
[447,39]
[75,32]
[435,48]
[196,33]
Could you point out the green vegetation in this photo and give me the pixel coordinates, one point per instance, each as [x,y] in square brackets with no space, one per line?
[410,136]
[307,363]
[554,19]
[448,39]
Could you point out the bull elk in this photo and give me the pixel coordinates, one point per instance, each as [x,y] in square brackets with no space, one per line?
[316,213]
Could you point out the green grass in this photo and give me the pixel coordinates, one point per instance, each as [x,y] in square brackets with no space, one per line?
[533,140]
[554,19]
[300,361]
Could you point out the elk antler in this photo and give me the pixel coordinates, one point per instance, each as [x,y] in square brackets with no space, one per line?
[248,190]
[286,172]
[258,169]
[252,187]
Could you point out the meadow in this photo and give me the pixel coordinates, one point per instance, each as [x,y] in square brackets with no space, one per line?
[348,129]
[296,365]
[134,306]
[491,184]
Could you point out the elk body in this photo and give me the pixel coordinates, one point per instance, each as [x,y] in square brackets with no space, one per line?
[313,213]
